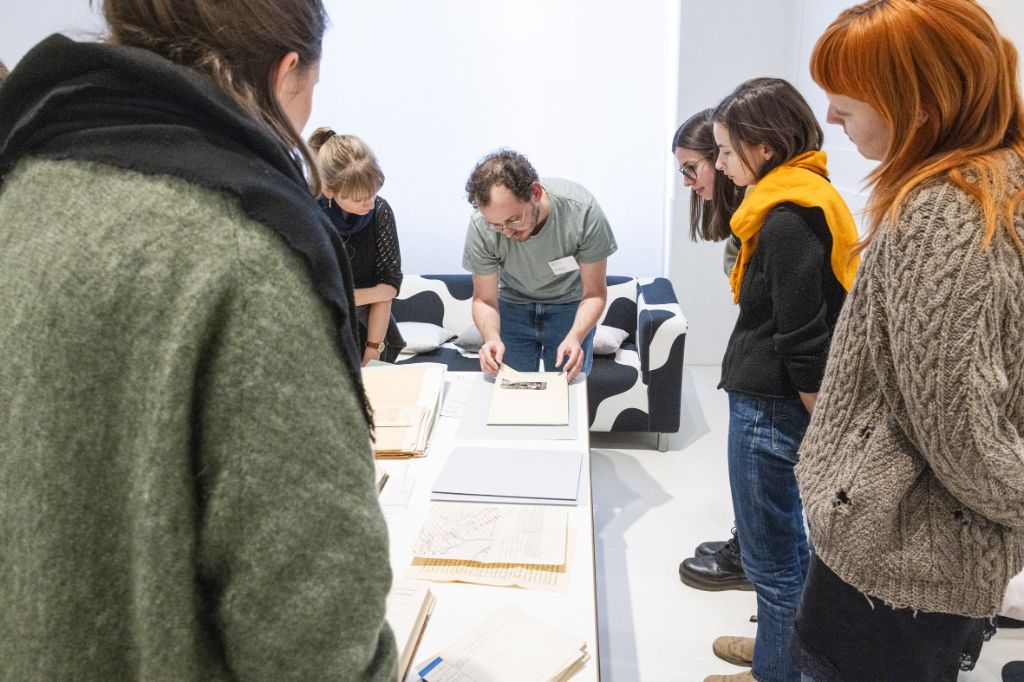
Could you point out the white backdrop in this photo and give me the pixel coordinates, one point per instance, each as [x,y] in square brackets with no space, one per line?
[589,90]
[582,87]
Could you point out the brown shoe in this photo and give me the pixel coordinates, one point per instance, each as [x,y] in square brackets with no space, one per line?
[735,650]
[744,676]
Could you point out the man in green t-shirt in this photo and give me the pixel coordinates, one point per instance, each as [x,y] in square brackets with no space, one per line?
[538,251]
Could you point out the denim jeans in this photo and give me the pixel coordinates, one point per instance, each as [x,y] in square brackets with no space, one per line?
[764,438]
[531,331]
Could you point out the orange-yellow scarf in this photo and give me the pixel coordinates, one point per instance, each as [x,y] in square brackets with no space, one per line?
[803,180]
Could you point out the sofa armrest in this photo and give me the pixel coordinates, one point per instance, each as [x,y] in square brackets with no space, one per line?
[660,338]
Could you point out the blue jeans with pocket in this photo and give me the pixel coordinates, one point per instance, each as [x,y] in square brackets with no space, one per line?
[764,439]
[531,331]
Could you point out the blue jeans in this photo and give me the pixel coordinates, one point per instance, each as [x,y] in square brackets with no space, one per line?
[531,331]
[764,437]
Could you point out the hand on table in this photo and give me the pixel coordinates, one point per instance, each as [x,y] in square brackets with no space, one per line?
[491,354]
[569,357]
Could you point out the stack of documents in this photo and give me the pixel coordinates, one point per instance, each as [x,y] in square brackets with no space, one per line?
[405,401]
[494,544]
[506,475]
[529,398]
[509,646]
[409,606]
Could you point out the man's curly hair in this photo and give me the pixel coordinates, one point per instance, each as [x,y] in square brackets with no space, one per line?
[504,167]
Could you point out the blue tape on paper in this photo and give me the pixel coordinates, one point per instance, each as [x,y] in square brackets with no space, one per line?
[433,664]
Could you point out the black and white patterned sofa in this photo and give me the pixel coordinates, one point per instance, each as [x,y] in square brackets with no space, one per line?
[638,388]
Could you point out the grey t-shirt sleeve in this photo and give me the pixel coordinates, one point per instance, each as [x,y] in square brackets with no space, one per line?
[597,241]
[477,256]
[732,251]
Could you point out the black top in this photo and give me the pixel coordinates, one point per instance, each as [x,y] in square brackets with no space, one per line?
[843,634]
[789,302]
[373,252]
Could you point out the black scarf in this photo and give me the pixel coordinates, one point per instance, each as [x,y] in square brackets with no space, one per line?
[132,109]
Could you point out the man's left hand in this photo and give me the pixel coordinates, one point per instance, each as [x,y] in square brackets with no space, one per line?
[569,357]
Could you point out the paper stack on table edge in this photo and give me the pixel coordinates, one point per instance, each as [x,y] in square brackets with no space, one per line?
[405,402]
[409,605]
[511,645]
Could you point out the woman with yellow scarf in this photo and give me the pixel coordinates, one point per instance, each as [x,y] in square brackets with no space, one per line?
[790,280]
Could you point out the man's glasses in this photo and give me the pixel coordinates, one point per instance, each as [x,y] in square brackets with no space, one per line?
[513,225]
[689,170]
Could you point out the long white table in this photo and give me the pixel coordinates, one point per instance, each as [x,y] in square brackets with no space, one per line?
[461,606]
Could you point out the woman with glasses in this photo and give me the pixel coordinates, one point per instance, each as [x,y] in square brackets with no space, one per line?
[713,199]
[790,280]
[365,226]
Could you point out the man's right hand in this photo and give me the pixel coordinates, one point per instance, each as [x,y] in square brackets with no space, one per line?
[491,354]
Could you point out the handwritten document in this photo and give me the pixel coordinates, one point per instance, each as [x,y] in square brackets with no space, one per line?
[494,533]
[525,576]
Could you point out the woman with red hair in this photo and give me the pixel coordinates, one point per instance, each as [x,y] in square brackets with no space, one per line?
[912,471]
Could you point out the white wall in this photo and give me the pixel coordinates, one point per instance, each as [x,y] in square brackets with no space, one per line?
[23,23]
[721,44]
[582,87]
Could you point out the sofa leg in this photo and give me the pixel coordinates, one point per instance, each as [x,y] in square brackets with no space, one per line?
[662,442]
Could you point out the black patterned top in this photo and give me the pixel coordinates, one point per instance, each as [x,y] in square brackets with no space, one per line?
[373,252]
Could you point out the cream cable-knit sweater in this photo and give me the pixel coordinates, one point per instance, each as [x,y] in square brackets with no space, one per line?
[912,471]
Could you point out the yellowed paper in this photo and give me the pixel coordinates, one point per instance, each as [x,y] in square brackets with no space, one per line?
[528,577]
[397,415]
[393,386]
[494,533]
[405,402]
[529,398]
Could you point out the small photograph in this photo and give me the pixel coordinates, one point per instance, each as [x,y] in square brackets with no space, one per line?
[524,385]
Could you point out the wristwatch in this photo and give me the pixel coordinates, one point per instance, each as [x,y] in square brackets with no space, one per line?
[377,346]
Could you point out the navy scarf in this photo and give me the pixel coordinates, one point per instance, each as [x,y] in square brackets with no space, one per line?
[347,224]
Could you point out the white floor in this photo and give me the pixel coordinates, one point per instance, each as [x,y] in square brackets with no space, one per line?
[650,510]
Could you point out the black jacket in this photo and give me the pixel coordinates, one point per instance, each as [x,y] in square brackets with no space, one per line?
[789,302]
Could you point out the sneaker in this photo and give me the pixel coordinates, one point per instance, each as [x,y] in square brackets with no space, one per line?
[735,650]
[744,676]
[1013,671]
[717,572]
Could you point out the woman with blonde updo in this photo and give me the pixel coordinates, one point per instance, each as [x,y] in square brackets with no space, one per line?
[366,225]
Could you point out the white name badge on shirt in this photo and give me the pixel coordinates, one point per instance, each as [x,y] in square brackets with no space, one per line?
[564,265]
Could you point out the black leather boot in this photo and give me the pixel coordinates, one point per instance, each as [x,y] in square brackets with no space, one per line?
[718,571]
[710,547]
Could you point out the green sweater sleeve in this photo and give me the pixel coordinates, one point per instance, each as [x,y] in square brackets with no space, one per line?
[292,543]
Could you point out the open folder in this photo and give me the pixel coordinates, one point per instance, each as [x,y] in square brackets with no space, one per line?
[535,398]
